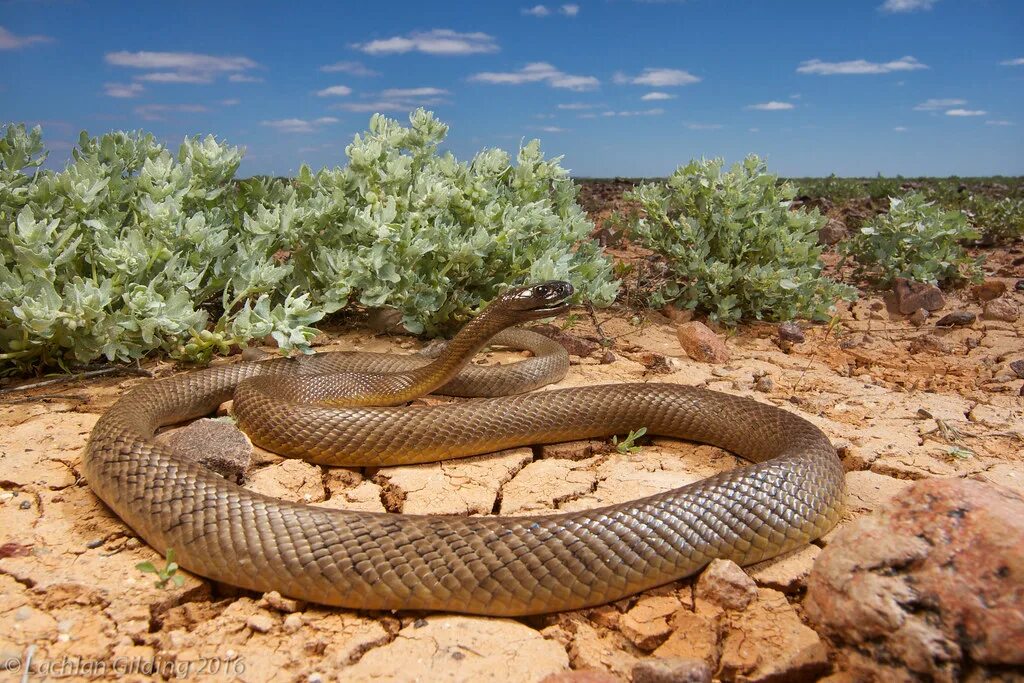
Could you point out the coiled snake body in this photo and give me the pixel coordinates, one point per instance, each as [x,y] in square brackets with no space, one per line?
[483,565]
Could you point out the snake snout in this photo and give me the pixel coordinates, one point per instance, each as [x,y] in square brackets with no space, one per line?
[541,300]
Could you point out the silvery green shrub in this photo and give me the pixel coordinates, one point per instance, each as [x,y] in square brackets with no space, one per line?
[734,248]
[916,239]
[132,249]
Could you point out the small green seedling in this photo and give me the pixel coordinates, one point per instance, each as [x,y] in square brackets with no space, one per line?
[959,452]
[168,574]
[628,445]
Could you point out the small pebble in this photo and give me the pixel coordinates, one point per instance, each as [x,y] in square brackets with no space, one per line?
[261,623]
[1018,367]
[607,357]
[918,317]
[95,543]
[764,383]
[790,331]
[25,504]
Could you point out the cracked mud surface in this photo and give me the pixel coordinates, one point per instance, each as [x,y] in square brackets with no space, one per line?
[901,403]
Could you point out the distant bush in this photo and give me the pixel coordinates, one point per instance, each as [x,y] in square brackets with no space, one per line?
[131,249]
[734,248]
[998,220]
[916,239]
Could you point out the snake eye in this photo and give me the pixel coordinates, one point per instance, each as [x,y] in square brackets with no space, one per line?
[542,290]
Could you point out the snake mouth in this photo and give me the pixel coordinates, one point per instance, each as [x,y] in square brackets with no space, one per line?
[542,300]
[546,311]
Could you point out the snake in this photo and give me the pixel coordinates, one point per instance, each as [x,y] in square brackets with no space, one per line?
[354,408]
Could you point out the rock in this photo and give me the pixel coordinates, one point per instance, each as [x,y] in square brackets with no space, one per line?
[695,636]
[585,676]
[216,444]
[590,648]
[988,290]
[832,232]
[575,346]
[261,623]
[791,332]
[957,319]
[385,320]
[646,625]
[1019,286]
[275,600]
[787,573]
[677,315]
[454,648]
[768,642]
[928,587]
[918,317]
[655,362]
[294,480]
[723,583]
[1001,309]
[672,670]
[1018,368]
[910,296]
[928,344]
[607,358]
[701,344]
[764,383]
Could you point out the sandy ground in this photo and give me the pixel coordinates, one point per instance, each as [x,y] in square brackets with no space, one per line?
[901,403]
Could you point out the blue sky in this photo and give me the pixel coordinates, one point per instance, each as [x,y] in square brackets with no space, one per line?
[618,87]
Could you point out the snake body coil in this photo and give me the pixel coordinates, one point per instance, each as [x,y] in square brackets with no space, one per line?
[483,565]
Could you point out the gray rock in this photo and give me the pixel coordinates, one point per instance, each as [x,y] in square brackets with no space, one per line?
[957,319]
[215,444]
[671,670]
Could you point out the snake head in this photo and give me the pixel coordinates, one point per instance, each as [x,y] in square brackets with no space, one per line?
[541,300]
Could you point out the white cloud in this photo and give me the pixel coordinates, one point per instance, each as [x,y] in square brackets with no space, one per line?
[658,78]
[704,126]
[396,99]
[859,66]
[999,122]
[334,91]
[966,112]
[538,72]
[244,78]
[299,125]
[657,96]
[440,41]
[350,68]
[413,92]
[183,67]
[901,6]
[772,106]
[175,77]
[536,11]
[934,104]
[552,129]
[900,129]
[754,130]
[155,112]
[570,10]
[657,111]
[580,105]
[231,102]
[1019,61]
[10,41]
[123,90]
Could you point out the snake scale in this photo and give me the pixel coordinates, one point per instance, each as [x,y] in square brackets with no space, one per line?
[341,409]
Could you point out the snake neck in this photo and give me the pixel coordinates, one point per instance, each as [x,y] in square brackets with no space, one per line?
[456,355]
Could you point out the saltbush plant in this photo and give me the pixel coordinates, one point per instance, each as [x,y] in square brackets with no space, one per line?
[917,240]
[132,249]
[734,248]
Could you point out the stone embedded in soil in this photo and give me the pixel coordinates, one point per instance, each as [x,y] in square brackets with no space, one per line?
[695,636]
[216,444]
[1018,368]
[672,670]
[294,480]
[929,586]
[910,296]
[791,332]
[928,344]
[701,344]
[453,648]
[988,290]
[956,319]
[646,625]
[723,583]
[832,232]
[918,317]
[1001,309]
[787,573]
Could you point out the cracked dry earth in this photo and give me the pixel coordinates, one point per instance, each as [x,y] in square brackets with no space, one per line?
[900,403]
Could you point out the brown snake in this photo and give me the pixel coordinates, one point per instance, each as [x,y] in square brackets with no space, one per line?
[484,565]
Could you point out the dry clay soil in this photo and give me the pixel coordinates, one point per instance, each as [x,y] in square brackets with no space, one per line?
[901,403]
